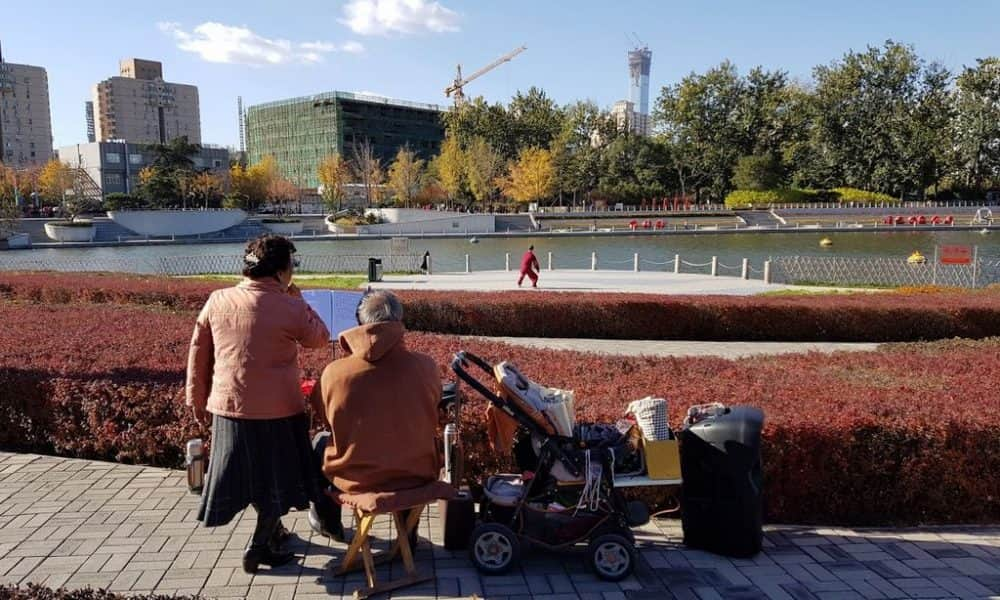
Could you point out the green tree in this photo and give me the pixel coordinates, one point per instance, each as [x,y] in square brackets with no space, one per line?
[576,151]
[535,118]
[406,175]
[700,119]
[867,125]
[491,122]
[977,124]
[634,169]
[758,172]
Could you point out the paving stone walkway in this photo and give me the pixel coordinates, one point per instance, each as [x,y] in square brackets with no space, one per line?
[79,523]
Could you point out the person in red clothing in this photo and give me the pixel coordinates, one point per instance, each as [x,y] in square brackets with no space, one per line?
[529,267]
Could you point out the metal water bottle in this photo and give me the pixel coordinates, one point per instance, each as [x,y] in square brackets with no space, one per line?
[195,462]
[450,435]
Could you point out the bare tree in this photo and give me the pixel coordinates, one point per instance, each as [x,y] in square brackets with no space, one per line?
[368,168]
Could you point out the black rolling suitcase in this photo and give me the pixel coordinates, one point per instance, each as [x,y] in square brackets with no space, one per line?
[721,494]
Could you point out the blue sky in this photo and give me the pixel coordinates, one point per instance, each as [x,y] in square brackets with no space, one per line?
[408,48]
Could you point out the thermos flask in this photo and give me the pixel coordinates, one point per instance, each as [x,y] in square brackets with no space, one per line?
[450,435]
[195,462]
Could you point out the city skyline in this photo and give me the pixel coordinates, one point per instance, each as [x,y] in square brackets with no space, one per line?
[408,49]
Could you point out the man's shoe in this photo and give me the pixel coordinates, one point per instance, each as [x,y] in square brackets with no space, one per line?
[255,556]
[334,531]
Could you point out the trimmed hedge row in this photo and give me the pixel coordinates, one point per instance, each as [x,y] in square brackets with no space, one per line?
[881,317]
[877,317]
[908,434]
[763,198]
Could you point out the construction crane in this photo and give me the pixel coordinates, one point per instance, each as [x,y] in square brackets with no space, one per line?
[455,89]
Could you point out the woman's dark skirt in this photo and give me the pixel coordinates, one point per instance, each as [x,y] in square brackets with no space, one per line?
[268,463]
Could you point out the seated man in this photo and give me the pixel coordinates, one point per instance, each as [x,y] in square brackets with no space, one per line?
[381,403]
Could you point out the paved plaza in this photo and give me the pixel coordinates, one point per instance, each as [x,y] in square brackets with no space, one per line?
[575,280]
[78,523]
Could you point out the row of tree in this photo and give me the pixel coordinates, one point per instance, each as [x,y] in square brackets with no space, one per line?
[882,120]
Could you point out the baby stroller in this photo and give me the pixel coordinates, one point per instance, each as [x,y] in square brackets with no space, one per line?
[568,495]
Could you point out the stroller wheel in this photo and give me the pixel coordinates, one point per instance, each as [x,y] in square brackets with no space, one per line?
[612,556]
[494,548]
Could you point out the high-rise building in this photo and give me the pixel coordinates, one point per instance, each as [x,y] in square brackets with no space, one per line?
[88,108]
[140,107]
[25,122]
[639,61]
[300,132]
[634,112]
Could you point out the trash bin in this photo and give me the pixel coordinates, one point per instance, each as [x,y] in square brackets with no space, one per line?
[721,493]
[374,269]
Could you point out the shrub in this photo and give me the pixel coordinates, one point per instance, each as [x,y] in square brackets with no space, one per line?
[845,194]
[903,435]
[759,199]
[883,317]
[34,591]
[120,201]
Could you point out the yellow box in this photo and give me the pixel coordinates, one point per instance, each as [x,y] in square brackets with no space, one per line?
[663,459]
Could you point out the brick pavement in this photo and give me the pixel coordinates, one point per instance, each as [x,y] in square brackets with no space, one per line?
[78,523]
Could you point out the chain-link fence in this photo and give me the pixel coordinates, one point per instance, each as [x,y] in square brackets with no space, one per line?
[882,272]
[12,262]
[308,263]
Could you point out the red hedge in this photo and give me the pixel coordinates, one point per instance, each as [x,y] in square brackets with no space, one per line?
[876,317]
[909,434]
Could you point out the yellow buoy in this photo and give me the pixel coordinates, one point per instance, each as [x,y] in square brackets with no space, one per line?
[826,242]
[916,258]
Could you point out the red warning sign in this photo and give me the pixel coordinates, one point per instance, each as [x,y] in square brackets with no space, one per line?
[955,255]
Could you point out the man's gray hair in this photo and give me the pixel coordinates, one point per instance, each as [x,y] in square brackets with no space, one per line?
[380,306]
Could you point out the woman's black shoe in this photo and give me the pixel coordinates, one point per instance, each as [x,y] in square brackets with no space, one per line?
[280,537]
[256,556]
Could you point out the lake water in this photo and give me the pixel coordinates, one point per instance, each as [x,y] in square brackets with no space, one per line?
[614,252]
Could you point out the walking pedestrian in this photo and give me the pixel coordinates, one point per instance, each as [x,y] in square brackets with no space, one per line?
[425,266]
[529,267]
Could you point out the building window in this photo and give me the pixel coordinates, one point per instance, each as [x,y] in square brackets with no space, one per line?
[112,158]
[217,163]
[112,179]
[135,159]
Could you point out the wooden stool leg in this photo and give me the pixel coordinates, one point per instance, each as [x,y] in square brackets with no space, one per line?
[403,543]
[365,522]
[366,555]
[411,522]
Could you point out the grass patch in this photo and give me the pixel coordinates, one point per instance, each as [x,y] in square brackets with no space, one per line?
[340,282]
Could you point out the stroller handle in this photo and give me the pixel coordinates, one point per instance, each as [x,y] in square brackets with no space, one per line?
[460,363]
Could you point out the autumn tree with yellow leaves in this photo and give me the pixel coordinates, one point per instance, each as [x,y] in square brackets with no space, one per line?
[532,176]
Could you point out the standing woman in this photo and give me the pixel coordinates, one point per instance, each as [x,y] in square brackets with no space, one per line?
[243,371]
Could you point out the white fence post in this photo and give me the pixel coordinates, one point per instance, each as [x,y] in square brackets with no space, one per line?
[746,269]
[593,261]
[428,265]
[677,263]
[636,262]
[467,263]
[550,261]
[715,266]
[507,262]
[767,271]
